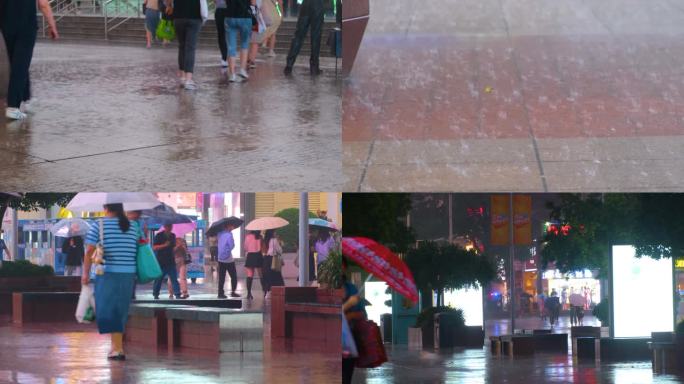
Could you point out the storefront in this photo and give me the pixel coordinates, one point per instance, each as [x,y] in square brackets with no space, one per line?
[564,285]
[679,286]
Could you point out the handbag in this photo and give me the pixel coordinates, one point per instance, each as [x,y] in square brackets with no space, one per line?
[166,30]
[148,268]
[85,309]
[369,344]
[98,257]
[277,261]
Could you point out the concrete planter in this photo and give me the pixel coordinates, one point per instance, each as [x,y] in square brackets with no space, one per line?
[469,337]
[415,338]
[8,285]
[679,340]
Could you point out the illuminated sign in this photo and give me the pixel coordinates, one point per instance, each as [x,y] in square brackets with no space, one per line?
[679,263]
[642,284]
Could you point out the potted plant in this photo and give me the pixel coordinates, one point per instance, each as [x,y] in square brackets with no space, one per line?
[425,330]
[289,234]
[330,278]
[602,313]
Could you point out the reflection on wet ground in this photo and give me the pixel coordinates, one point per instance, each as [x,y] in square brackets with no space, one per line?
[475,366]
[114,118]
[70,353]
[507,95]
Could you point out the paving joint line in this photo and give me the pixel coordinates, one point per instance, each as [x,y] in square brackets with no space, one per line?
[365,167]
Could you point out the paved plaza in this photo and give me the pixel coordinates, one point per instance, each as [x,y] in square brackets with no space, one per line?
[112,117]
[508,95]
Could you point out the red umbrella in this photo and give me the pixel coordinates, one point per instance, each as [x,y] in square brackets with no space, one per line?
[382,263]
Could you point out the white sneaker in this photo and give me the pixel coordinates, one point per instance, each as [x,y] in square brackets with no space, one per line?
[271,53]
[243,74]
[15,114]
[28,106]
[224,64]
[234,79]
[190,85]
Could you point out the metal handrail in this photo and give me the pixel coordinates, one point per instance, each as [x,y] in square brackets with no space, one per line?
[124,14]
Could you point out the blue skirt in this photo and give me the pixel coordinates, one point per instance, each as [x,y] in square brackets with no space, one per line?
[113,292]
[152,18]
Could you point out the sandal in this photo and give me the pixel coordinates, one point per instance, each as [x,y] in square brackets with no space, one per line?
[118,356]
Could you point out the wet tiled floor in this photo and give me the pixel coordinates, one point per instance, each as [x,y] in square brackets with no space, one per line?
[114,118]
[502,95]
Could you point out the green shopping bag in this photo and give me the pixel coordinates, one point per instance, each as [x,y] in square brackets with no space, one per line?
[166,30]
[148,267]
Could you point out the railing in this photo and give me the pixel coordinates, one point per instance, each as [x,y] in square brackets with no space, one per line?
[117,12]
[60,8]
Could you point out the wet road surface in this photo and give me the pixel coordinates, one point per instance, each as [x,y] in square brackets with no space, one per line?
[503,95]
[474,366]
[114,118]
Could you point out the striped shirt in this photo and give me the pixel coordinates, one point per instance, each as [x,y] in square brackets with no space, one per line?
[120,248]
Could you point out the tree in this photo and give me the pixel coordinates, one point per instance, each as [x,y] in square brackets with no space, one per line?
[289,234]
[33,201]
[441,266]
[379,216]
[595,222]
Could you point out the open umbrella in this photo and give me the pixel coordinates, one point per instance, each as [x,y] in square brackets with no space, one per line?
[323,224]
[94,201]
[70,228]
[180,230]
[265,223]
[11,195]
[218,226]
[163,214]
[382,263]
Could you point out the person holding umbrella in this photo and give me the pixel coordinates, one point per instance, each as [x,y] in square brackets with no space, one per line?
[74,251]
[226,243]
[164,244]
[266,249]
[273,271]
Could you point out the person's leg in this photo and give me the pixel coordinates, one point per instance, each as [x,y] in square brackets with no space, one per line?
[20,52]
[317,16]
[117,342]
[220,18]
[191,37]
[303,22]
[156,288]
[266,274]
[245,34]
[233,277]
[249,279]
[181,32]
[231,31]
[221,278]
[348,370]
[173,276]
[183,279]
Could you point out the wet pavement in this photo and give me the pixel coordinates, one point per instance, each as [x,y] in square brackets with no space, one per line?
[504,95]
[111,117]
[474,366]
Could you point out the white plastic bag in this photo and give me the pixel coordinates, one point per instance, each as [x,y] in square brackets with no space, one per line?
[85,300]
[349,349]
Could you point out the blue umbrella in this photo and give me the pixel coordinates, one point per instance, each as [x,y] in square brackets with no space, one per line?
[163,214]
[324,224]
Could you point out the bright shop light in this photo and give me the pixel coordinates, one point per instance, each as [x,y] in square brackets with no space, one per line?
[643,291]
[470,301]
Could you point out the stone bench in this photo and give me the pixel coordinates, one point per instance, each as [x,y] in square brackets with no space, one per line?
[551,342]
[213,303]
[518,344]
[147,324]
[587,347]
[9,285]
[624,349]
[33,307]
[215,329]
[664,358]
[583,331]
[495,345]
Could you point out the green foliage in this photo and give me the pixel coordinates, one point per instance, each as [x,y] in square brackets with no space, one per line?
[602,312]
[290,233]
[427,316]
[330,271]
[680,328]
[379,216]
[34,201]
[437,266]
[24,268]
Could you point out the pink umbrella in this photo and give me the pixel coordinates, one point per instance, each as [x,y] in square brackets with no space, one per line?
[180,230]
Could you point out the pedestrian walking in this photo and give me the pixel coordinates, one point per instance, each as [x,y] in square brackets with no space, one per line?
[4,249]
[271,9]
[553,307]
[273,269]
[119,239]
[220,19]
[181,257]
[136,216]
[19,27]
[354,311]
[226,263]
[188,15]
[258,33]
[74,251]
[164,244]
[311,14]
[152,17]
[238,21]
[254,260]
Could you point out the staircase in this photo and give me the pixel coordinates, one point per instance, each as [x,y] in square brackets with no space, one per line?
[132,31]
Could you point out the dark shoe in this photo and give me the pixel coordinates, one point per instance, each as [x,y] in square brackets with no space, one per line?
[185,296]
[117,357]
[287,71]
[249,296]
[156,297]
[181,297]
[315,71]
[233,294]
[222,296]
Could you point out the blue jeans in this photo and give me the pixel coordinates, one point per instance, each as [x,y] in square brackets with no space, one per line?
[233,26]
[171,272]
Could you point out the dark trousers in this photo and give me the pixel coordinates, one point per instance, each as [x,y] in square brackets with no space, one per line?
[220,17]
[19,46]
[187,32]
[311,14]
[347,370]
[171,272]
[222,269]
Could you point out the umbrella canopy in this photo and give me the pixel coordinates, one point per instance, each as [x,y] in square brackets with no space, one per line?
[382,263]
[13,195]
[163,214]
[70,228]
[94,201]
[265,223]
[576,300]
[180,230]
[323,224]
[218,226]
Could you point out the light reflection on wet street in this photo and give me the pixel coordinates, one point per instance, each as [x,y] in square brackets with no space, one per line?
[114,118]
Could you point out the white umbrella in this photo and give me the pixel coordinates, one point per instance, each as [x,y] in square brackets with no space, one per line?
[265,223]
[95,201]
[70,228]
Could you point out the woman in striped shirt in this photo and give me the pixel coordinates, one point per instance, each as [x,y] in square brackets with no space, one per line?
[113,288]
